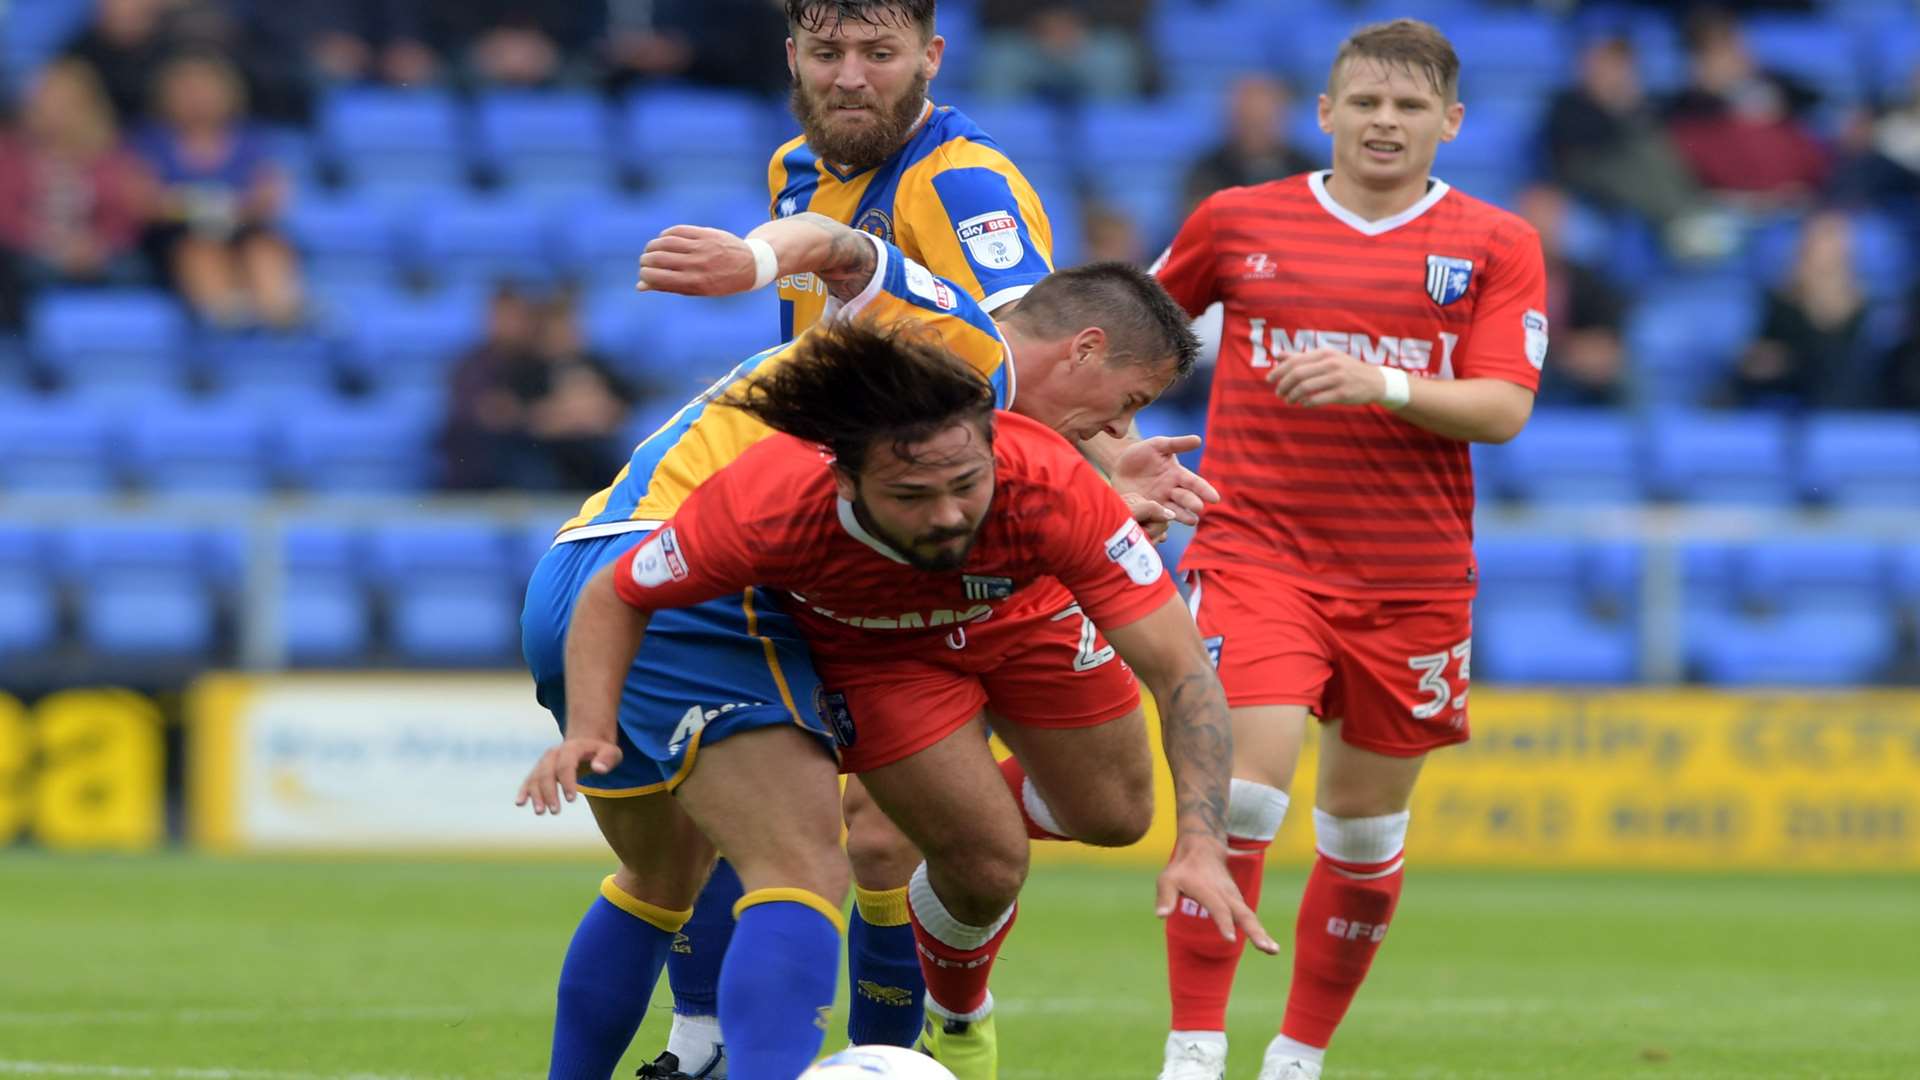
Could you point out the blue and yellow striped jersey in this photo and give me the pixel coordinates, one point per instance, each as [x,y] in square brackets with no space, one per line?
[949,199]
[704,437]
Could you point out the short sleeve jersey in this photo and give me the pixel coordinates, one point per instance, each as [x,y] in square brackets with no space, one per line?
[1351,500]
[949,199]
[705,436]
[774,519]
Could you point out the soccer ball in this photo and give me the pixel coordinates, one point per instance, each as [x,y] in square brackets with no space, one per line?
[877,1063]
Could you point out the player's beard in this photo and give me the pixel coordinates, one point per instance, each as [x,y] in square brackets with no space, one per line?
[906,547]
[864,146]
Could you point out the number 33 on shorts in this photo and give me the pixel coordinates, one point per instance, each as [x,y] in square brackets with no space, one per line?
[1432,669]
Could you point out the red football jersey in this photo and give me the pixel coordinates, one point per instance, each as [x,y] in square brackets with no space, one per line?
[1351,500]
[773,518]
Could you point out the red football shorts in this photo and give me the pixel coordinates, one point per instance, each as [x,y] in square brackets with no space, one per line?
[1048,669]
[1394,672]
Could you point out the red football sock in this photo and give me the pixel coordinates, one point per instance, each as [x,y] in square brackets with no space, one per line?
[955,958]
[1201,963]
[1029,801]
[1343,918]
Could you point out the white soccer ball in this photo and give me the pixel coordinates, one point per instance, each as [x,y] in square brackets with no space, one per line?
[877,1063]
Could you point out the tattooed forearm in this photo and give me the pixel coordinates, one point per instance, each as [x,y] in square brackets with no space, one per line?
[1198,737]
[849,258]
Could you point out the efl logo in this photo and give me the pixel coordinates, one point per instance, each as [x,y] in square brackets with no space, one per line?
[1356,931]
[670,550]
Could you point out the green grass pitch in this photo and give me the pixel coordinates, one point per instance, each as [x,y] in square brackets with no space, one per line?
[185,968]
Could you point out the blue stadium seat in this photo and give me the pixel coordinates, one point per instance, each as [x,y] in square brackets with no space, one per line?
[555,142]
[1708,579]
[1862,460]
[1904,576]
[268,370]
[29,607]
[476,242]
[1203,47]
[199,449]
[1497,136]
[449,588]
[143,591]
[411,140]
[127,341]
[600,242]
[1838,574]
[403,341]
[1723,458]
[1616,575]
[1572,456]
[348,237]
[1821,648]
[1816,50]
[339,448]
[1553,645]
[325,616]
[55,445]
[1034,135]
[1895,48]
[1531,572]
[1685,333]
[35,32]
[1508,54]
[1882,255]
[693,341]
[695,138]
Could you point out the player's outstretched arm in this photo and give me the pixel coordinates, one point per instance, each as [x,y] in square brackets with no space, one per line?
[1471,410]
[602,639]
[697,261]
[1166,651]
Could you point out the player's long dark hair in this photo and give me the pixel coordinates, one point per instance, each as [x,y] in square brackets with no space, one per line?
[848,385]
[815,16]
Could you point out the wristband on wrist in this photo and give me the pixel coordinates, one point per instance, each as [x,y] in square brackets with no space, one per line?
[1399,389]
[766,265]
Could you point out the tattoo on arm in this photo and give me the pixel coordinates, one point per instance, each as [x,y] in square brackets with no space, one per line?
[851,258]
[1198,735]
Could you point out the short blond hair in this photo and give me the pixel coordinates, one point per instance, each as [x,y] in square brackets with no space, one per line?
[1406,43]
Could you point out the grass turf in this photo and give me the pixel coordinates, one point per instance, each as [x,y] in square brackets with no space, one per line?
[199,969]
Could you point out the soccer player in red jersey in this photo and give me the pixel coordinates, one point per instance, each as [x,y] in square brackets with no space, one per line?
[920,555]
[1377,322]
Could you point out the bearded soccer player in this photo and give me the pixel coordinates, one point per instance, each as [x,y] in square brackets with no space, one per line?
[922,542]
[1377,322]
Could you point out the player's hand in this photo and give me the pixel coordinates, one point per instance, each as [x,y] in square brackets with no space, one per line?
[1152,517]
[1150,469]
[558,771]
[1198,871]
[693,260]
[1326,377]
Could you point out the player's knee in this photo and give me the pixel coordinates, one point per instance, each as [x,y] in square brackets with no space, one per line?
[881,854]
[1121,818]
[991,875]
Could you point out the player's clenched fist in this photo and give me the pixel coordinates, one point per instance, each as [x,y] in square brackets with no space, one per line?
[558,770]
[1326,377]
[697,261]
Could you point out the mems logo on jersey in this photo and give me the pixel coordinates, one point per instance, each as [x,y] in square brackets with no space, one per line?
[1134,552]
[993,239]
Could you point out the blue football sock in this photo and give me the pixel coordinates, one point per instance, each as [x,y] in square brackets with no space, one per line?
[607,982]
[883,971]
[776,989]
[693,967]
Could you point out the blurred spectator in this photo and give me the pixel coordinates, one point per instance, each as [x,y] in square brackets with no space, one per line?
[1112,235]
[730,44]
[1809,352]
[1900,369]
[1257,147]
[126,43]
[372,40]
[1739,128]
[1586,364]
[264,39]
[530,408]
[220,195]
[1606,143]
[514,43]
[1065,50]
[72,199]
[1887,171]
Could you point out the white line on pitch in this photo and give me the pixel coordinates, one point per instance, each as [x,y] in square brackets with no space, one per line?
[249,1016]
[177,1072]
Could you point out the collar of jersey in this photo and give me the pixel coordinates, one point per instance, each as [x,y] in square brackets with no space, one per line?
[851,522]
[1317,182]
[844,175]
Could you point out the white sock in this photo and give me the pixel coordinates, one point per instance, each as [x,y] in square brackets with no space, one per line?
[1285,1047]
[693,1038]
[1214,1038]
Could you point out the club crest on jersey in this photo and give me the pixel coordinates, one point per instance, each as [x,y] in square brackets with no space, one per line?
[981,587]
[877,222]
[834,712]
[993,239]
[1447,278]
